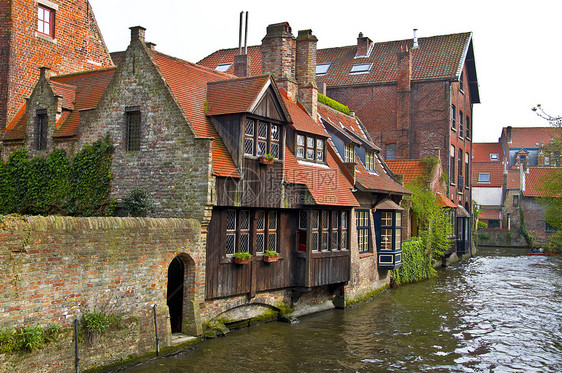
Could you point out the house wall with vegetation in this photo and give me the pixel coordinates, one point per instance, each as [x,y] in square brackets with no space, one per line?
[56,269]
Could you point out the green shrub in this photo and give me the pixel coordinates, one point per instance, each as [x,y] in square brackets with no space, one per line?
[416,264]
[31,337]
[8,340]
[482,225]
[97,322]
[137,202]
[333,104]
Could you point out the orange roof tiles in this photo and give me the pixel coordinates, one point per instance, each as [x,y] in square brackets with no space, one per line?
[410,169]
[529,137]
[234,95]
[15,130]
[379,181]
[535,178]
[494,168]
[490,214]
[481,151]
[326,184]
[227,56]
[442,200]
[302,121]
[513,179]
[347,125]
[188,83]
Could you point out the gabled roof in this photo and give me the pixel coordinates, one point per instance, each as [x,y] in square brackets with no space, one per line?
[326,183]
[346,125]
[379,181]
[481,151]
[15,130]
[188,83]
[437,58]
[534,180]
[443,201]
[494,168]
[513,179]
[242,95]
[529,137]
[302,121]
[410,169]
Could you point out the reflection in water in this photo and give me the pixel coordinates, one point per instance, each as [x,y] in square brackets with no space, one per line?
[499,312]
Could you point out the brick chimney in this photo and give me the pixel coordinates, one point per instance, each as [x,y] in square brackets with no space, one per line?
[242,65]
[137,33]
[278,57]
[363,45]
[306,72]
[403,85]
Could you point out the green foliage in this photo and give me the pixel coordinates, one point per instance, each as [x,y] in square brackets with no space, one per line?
[243,255]
[57,189]
[416,264]
[89,178]
[16,173]
[482,225]
[31,337]
[28,338]
[8,340]
[530,239]
[271,253]
[137,202]
[333,104]
[435,227]
[97,322]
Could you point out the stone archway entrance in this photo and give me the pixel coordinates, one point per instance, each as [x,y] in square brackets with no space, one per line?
[175,293]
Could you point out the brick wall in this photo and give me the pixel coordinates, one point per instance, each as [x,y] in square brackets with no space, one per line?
[55,268]
[77,46]
[5,27]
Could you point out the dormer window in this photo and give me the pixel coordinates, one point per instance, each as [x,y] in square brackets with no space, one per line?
[310,148]
[370,161]
[494,156]
[322,68]
[261,138]
[361,68]
[349,155]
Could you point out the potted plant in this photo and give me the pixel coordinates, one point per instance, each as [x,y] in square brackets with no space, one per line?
[266,159]
[270,256]
[242,257]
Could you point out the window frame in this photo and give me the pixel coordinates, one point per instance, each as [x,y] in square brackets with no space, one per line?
[133,121]
[395,228]
[461,129]
[42,22]
[328,230]
[361,68]
[223,67]
[370,161]
[452,157]
[363,227]
[481,177]
[42,129]
[349,153]
[313,145]
[257,137]
[453,117]
[321,66]
[249,227]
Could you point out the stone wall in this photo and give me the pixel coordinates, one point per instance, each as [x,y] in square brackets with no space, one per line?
[53,269]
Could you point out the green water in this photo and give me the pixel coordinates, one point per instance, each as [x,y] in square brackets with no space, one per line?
[498,312]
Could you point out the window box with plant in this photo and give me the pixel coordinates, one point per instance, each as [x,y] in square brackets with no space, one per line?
[270,256]
[266,159]
[242,257]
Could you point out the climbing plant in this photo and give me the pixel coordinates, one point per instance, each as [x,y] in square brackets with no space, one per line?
[416,264]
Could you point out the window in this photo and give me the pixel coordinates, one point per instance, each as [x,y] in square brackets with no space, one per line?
[452,164]
[261,138]
[45,21]
[300,146]
[515,200]
[483,177]
[467,124]
[42,130]
[240,234]
[328,230]
[133,134]
[322,68]
[310,148]
[453,116]
[363,223]
[390,230]
[390,151]
[461,180]
[349,155]
[370,161]
[461,83]
[467,170]
[223,67]
[360,68]
[460,123]
[494,156]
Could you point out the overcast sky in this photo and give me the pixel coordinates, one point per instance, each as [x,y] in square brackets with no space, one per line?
[518,48]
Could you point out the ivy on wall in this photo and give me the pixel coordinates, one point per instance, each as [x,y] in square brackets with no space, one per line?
[416,264]
[53,185]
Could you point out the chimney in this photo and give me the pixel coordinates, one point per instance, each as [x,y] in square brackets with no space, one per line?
[151,46]
[242,65]
[278,57]
[508,134]
[415,45]
[322,88]
[44,72]
[306,72]
[137,33]
[363,46]
[404,84]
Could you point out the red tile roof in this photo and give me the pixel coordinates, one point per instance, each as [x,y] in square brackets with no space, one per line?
[513,179]
[326,184]
[347,125]
[188,83]
[442,200]
[438,57]
[529,137]
[535,178]
[410,169]
[490,214]
[379,181]
[494,168]
[15,130]
[481,151]
[302,121]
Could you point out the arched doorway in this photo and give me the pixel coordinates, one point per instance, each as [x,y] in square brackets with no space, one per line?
[175,293]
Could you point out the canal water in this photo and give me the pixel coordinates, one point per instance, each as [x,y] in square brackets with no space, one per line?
[498,312]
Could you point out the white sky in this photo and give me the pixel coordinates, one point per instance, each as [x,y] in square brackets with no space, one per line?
[518,48]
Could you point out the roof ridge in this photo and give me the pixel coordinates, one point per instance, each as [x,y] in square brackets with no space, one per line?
[238,78]
[192,64]
[84,72]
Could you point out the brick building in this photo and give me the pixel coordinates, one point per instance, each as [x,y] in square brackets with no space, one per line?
[413,95]
[61,34]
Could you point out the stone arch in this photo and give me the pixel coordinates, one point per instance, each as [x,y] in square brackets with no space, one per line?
[180,296]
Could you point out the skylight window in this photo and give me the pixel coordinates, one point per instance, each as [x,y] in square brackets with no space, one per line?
[361,68]
[494,156]
[322,68]
[223,67]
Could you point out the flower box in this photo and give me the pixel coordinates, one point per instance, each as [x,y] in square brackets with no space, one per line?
[270,259]
[242,261]
[266,160]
